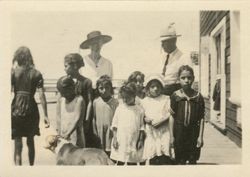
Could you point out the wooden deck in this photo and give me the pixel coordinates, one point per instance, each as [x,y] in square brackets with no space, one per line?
[218,149]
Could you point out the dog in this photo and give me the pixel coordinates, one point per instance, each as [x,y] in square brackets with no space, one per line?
[68,154]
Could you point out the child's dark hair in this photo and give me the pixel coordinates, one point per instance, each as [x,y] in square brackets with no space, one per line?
[104,80]
[128,88]
[74,58]
[132,77]
[150,82]
[65,82]
[185,68]
[23,57]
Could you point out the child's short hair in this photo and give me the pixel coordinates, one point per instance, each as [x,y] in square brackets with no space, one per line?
[128,88]
[103,80]
[132,77]
[185,68]
[74,58]
[65,82]
[23,56]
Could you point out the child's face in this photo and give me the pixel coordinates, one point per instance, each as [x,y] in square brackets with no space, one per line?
[139,83]
[155,89]
[186,79]
[105,90]
[128,99]
[69,69]
[68,93]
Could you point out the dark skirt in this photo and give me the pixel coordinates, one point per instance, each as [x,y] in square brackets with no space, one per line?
[26,126]
[185,142]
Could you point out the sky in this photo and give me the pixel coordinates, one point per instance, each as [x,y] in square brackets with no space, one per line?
[51,35]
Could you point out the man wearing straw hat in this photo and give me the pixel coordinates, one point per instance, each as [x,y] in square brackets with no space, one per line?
[95,64]
[174,58]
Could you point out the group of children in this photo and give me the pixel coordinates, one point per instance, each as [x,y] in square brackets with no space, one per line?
[141,126]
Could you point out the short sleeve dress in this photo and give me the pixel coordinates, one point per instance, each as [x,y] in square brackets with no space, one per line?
[25,82]
[104,112]
[187,113]
[157,139]
[129,121]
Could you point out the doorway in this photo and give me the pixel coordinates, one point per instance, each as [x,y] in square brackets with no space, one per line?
[218,76]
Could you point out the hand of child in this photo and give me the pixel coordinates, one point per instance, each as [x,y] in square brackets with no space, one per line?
[115,143]
[66,136]
[110,134]
[46,122]
[148,120]
[139,144]
[171,142]
[199,142]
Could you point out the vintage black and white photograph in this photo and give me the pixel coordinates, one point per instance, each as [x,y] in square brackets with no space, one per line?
[144,88]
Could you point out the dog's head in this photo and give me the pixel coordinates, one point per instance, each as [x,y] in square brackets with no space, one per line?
[51,142]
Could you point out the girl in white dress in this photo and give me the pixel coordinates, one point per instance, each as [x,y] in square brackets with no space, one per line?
[156,105]
[128,129]
[70,112]
[104,108]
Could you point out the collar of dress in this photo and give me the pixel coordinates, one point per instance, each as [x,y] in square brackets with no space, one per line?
[92,63]
[182,96]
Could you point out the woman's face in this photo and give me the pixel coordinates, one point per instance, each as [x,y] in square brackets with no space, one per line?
[155,89]
[186,79]
[105,91]
[96,46]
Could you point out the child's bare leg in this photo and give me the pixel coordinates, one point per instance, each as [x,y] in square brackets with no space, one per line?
[18,151]
[31,149]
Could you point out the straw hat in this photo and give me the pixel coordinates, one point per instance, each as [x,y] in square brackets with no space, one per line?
[169,33]
[93,37]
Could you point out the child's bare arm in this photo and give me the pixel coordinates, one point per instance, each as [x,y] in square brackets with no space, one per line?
[171,127]
[200,138]
[58,114]
[115,142]
[94,119]
[140,140]
[88,111]
[44,106]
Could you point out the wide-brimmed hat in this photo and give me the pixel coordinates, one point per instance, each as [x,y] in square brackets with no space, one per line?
[151,77]
[93,37]
[169,33]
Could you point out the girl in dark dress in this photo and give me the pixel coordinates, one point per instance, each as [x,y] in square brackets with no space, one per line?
[187,120]
[25,80]
[83,86]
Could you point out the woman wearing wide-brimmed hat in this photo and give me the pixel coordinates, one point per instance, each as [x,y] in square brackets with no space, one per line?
[95,64]
[173,59]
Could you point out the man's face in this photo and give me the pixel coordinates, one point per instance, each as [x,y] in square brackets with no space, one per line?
[169,45]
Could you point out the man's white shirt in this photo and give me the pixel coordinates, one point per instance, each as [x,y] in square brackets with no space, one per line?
[175,61]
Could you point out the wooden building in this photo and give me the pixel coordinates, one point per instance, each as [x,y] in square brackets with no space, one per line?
[219,62]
